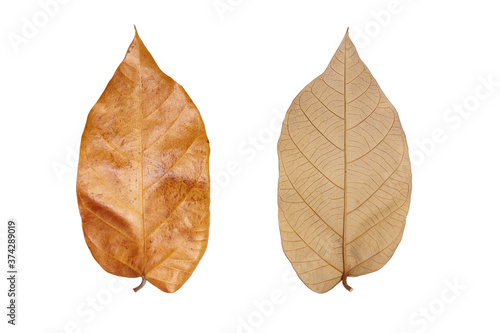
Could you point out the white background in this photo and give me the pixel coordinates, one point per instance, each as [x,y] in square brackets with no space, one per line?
[242,68]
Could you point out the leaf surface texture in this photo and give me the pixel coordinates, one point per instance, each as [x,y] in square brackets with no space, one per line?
[344,175]
[143,183]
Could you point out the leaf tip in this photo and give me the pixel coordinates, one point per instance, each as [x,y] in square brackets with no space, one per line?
[347,32]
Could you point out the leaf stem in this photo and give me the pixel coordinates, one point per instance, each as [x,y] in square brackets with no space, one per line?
[344,282]
[143,283]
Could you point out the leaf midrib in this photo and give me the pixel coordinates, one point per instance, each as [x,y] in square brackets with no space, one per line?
[344,222]
[141,129]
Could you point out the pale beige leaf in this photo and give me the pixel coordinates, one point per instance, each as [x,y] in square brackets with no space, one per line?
[345,178]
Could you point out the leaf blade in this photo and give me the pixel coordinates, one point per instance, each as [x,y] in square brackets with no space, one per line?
[344,166]
[143,178]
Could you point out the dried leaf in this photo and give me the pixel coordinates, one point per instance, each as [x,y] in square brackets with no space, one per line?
[345,178]
[143,179]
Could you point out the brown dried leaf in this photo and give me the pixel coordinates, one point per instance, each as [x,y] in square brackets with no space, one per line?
[143,181]
[345,178]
